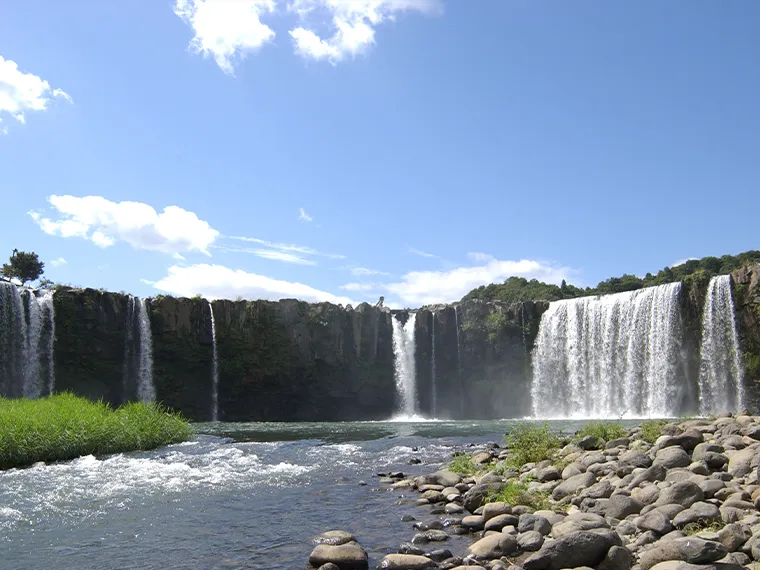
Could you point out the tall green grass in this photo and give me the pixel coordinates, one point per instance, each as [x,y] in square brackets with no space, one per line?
[65,426]
[530,443]
[602,430]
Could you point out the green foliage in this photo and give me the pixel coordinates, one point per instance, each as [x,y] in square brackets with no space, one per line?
[752,363]
[531,442]
[517,493]
[703,525]
[46,284]
[652,429]
[65,426]
[462,464]
[24,266]
[517,289]
[602,430]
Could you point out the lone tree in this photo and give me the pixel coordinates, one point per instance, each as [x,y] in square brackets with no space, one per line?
[23,266]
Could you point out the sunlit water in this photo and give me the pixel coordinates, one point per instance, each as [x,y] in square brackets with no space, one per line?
[238,496]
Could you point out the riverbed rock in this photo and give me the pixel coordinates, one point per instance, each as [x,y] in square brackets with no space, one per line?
[491,510]
[734,536]
[348,556]
[573,485]
[699,511]
[334,537]
[581,548]
[530,541]
[620,506]
[500,521]
[684,493]
[494,546]
[655,521]
[671,457]
[476,496]
[406,562]
[579,522]
[688,549]
[617,558]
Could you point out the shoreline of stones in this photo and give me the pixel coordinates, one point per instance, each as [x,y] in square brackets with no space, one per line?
[687,502]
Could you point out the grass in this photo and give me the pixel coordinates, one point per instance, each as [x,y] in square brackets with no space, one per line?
[531,442]
[652,429]
[702,525]
[602,430]
[517,493]
[462,464]
[65,426]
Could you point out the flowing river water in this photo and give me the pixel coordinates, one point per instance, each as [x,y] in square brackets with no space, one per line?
[236,496]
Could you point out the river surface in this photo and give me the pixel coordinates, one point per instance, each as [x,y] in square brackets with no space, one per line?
[238,496]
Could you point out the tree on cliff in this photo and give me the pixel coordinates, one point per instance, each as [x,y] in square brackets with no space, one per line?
[23,266]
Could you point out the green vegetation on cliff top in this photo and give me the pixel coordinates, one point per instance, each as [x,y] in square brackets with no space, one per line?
[517,289]
[65,426]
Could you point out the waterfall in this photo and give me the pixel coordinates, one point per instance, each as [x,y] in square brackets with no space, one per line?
[720,373]
[404,353]
[138,351]
[26,342]
[610,356]
[214,370]
[433,385]
[459,362]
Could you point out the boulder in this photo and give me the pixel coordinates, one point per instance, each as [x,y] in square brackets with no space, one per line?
[740,462]
[656,472]
[711,486]
[577,522]
[688,549]
[534,522]
[572,470]
[671,457]
[491,510]
[620,506]
[635,459]
[494,546]
[617,558]
[697,512]
[530,541]
[407,562]
[476,496]
[334,537]
[581,548]
[348,556]
[573,485]
[655,521]
[500,521]
[590,442]
[684,493]
[646,495]
[689,439]
[550,473]
[601,490]
[733,536]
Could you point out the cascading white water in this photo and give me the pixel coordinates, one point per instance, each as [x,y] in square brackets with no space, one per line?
[214,370]
[26,341]
[138,350]
[610,356]
[404,353]
[433,383]
[720,373]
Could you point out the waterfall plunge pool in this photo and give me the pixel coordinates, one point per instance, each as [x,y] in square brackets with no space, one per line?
[247,495]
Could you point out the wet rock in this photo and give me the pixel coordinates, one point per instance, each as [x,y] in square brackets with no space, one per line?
[581,548]
[453,509]
[409,548]
[440,554]
[494,546]
[329,566]
[573,485]
[334,537]
[688,549]
[406,562]
[428,525]
[348,556]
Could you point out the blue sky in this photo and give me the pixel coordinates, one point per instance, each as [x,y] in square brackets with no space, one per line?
[407,148]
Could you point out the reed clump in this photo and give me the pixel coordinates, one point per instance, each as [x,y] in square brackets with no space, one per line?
[64,426]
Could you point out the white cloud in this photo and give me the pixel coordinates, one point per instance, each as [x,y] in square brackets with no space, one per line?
[477,256]
[364,271]
[353,21]
[274,254]
[226,30]
[301,250]
[428,287]
[23,92]
[220,282]
[58,262]
[359,286]
[105,222]
[424,253]
[303,216]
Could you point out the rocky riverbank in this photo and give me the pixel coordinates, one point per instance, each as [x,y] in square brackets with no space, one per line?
[661,496]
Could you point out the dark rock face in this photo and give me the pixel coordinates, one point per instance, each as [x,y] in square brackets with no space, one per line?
[484,371]
[746,283]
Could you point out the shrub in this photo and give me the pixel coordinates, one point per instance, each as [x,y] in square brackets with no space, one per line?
[65,426]
[652,429]
[602,430]
[531,442]
[517,493]
[462,464]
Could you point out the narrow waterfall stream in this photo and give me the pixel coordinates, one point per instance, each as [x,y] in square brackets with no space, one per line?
[405,373]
